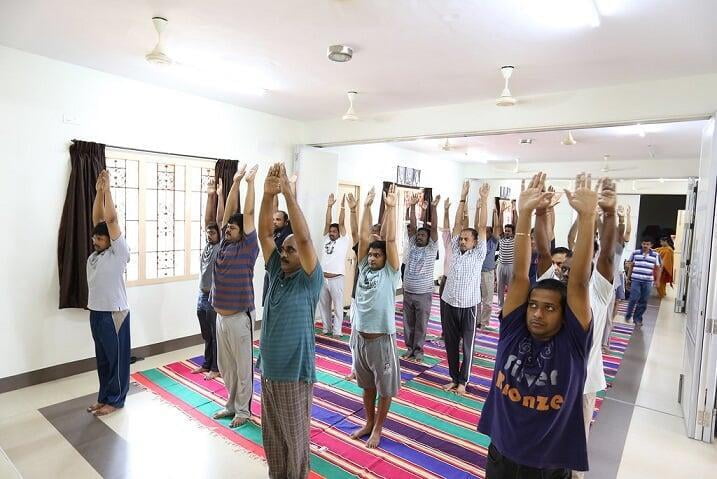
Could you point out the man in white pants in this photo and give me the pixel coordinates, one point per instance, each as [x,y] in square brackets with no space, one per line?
[333,263]
[601,289]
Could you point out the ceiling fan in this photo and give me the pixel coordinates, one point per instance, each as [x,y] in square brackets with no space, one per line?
[606,168]
[158,56]
[569,140]
[350,114]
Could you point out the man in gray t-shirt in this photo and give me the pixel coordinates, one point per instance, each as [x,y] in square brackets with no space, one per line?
[107,302]
[205,313]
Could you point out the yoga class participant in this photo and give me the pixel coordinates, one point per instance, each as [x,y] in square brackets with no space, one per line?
[601,289]
[205,313]
[107,301]
[461,295]
[233,299]
[533,412]
[287,348]
[374,336]
[418,280]
[333,264]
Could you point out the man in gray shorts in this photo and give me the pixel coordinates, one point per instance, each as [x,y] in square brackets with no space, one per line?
[373,335]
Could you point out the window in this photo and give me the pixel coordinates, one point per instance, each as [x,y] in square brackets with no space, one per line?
[160,201]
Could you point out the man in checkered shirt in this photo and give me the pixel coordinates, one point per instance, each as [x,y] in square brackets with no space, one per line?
[461,294]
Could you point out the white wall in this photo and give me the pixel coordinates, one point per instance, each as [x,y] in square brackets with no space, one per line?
[35,93]
[370,165]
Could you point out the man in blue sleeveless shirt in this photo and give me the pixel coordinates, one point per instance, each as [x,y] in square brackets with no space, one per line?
[534,411]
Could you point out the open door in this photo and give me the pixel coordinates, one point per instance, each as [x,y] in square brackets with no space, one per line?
[699,370]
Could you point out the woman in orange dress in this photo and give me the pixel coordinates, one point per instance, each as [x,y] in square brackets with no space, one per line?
[667,255]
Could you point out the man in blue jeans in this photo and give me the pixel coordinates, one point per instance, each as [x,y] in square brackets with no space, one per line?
[642,269]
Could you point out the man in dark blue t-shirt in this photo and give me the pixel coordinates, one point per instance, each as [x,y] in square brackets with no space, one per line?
[533,412]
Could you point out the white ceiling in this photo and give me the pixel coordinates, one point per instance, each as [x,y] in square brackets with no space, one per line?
[674,142]
[409,53]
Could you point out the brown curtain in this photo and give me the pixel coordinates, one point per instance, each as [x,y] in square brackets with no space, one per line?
[75,242]
[225,170]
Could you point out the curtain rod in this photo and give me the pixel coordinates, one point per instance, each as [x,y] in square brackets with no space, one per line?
[141,150]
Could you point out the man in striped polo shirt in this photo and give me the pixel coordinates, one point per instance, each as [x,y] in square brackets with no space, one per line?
[506,246]
[642,267]
[418,281]
[287,348]
[232,297]
[461,294]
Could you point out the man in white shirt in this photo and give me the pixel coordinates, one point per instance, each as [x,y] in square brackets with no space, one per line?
[107,302]
[601,289]
[335,245]
[461,294]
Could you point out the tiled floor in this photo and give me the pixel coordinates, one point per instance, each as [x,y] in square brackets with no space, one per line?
[158,441]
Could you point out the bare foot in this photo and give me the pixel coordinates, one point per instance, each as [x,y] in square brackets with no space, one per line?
[222,414]
[95,407]
[606,350]
[406,355]
[367,429]
[211,375]
[238,421]
[461,390]
[374,440]
[199,369]
[104,410]
[450,386]
[350,377]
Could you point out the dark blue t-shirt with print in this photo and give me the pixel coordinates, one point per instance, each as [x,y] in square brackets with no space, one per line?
[534,412]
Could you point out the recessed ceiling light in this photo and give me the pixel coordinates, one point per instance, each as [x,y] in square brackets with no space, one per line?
[340,53]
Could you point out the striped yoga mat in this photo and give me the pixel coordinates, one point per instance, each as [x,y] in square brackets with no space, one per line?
[429,433]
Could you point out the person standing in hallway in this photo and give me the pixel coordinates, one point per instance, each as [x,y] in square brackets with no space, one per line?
[642,267]
[232,298]
[461,295]
[506,245]
[287,347]
[205,313]
[333,263]
[667,257]
[534,412]
[418,281]
[374,327]
[107,301]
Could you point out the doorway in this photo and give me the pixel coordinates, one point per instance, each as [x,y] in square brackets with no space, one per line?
[351,260]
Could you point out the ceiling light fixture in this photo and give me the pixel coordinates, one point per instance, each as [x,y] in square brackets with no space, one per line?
[569,140]
[527,141]
[340,53]
[350,114]
[157,55]
[506,99]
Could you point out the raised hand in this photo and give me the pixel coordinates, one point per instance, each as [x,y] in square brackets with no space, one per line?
[584,199]
[621,211]
[556,197]
[534,195]
[292,183]
[465,189]
[389,198]
[331,201]
[484,191]
[220,186]
[211,186]
[252,174]
[607,199]
[447,204]
[241,171]
[370,197]
[101,184]
[413,199]
[435,201]
[628,210]
[284,182]
[351,201]
[272,183]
